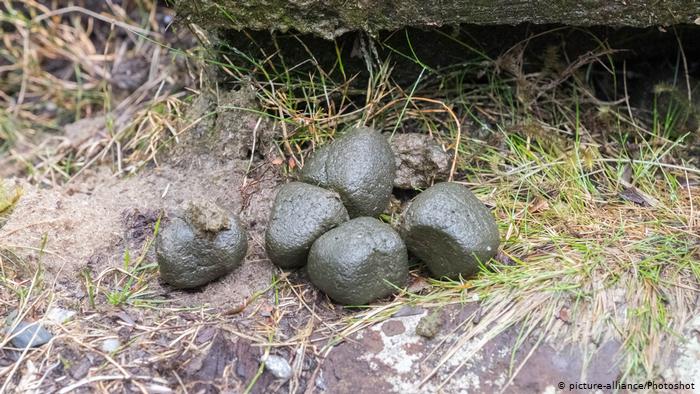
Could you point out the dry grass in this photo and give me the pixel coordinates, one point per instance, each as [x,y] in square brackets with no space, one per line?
[60,65]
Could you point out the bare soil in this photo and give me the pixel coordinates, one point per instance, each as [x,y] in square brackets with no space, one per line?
[92,221]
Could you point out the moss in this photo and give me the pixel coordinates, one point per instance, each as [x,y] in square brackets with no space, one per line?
[8,200]
[429,325]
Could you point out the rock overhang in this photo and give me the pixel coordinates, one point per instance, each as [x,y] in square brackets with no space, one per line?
[332,18]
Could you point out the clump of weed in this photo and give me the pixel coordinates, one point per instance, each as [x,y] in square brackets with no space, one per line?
[127,284]
[120,62]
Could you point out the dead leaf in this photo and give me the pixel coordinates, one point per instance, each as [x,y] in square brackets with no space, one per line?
[418,284]
[627,173]
[539,205]
[277,161]
[247,359]
[292,163]
[205,335]
[477,315]
[221,353]
[408,310]
[564,315]
[503,258]
[124,317]
[636,196]
[80,368]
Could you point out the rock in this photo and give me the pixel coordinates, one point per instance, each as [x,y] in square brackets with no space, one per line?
[59,315]
[200,247]
[331,18]
[429,325]
[358,261]
[29,335]
[110,345]
[408,310]
[278,366]
[359,166]
[301,213]
[449,229]
[420,161]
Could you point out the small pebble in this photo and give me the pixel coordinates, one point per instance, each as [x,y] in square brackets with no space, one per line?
[59,315]
[30,335]
[278,366]
[321,383]
[110,345]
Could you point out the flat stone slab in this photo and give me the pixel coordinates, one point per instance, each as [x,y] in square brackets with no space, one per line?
[390,357]
[331,18]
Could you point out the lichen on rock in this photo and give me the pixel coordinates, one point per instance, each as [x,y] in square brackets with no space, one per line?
[420,161]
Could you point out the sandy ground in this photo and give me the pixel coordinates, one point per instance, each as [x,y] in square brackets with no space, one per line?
[91,222]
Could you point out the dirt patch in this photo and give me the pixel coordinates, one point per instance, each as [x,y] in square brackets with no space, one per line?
[91,222]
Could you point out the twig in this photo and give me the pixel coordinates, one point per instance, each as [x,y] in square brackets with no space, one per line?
[685,67]
[95,15]
[103,378]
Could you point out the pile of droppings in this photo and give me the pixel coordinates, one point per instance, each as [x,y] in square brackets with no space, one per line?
[361,260]
[301,213]
[328,225]
[450,230]
[359,166]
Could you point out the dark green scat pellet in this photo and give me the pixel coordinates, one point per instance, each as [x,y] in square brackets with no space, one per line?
[300,214]
[359,166]
[358,261]
[449,229]
[191,253]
